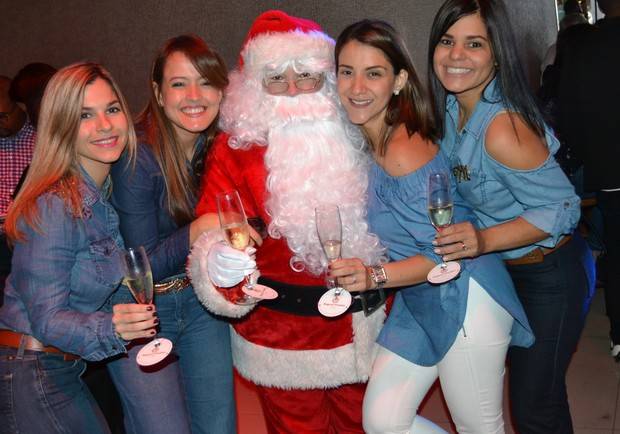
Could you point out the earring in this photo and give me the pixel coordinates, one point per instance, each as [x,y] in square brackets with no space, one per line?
[396,92]
[496,65]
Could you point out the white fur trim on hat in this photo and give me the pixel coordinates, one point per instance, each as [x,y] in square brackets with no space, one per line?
[275,51]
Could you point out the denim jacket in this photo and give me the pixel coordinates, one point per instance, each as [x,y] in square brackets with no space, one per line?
[140,197]
[64,274]
[543,196]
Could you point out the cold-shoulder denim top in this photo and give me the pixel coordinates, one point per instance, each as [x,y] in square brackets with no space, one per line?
[425,318]
[64,274]
[543,196]
[141,199]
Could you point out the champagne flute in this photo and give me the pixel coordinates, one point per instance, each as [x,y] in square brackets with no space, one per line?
[329,228]
[440,211]
[139,280]
[234,223]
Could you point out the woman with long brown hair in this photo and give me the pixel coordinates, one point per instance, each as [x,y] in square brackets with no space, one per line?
[457,331]
[155,200]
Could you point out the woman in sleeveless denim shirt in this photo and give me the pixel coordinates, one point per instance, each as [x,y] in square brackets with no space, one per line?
[501,153]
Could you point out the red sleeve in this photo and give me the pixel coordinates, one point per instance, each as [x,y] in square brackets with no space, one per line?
[244,170]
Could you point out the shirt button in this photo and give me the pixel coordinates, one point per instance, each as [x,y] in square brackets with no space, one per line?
[299,300]
[566,205]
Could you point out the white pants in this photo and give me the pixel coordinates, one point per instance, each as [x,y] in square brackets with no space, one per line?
[471,376]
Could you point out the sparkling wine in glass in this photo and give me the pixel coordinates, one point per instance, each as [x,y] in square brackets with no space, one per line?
[234,223]
[440,210]
[139,280]
[329,228]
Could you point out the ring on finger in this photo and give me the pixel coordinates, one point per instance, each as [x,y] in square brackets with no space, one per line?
[463,245]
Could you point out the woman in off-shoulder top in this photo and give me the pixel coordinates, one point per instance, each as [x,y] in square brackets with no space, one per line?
[458,331]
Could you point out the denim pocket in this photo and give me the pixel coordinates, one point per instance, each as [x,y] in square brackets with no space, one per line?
[59,378]
[98,269]
[7,415]
[473,188]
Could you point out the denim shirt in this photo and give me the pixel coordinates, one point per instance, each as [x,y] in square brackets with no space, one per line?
[426,318]
[63,275]
[141,200]
[543,196]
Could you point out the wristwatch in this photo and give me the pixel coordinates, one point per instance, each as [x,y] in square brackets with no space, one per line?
[378,275]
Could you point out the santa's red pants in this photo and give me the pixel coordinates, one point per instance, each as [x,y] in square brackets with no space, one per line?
[315,411]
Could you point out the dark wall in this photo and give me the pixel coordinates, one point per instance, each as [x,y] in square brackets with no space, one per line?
[123,34]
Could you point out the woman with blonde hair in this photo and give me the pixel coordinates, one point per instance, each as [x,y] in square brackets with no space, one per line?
[155,201]
[56,311]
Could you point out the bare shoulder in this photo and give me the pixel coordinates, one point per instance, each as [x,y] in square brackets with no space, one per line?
[511,142]
[407,154]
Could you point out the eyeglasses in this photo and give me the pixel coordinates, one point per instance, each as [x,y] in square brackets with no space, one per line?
[4,116]
[304,82]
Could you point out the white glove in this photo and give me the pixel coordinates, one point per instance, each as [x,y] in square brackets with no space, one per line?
[227,266]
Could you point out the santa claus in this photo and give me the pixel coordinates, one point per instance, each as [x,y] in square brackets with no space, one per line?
[287,149]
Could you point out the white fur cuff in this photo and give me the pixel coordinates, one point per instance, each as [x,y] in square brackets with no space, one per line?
[198,272]
[311,368]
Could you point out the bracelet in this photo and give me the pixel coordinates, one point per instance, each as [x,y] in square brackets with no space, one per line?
[378,275]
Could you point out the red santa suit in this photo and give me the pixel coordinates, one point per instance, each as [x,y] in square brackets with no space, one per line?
[310,369]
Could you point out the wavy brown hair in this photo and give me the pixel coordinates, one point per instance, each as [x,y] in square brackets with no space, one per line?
[55,163]
[159,131]
[411,106]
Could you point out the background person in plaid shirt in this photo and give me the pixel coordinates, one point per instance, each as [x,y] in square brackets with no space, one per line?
[17,137]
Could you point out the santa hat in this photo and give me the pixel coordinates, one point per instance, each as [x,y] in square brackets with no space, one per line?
[277,39]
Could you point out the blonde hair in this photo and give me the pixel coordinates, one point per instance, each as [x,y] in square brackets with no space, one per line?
[55,163]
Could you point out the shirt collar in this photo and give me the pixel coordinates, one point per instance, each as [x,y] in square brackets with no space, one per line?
[490,96]
[90,192]
[200,143]
[26,130]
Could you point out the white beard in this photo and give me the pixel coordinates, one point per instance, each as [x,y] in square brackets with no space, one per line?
[313,160]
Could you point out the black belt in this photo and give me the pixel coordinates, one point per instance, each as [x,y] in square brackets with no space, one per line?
[302,299]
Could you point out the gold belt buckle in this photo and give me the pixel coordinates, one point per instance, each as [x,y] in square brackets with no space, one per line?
[172,286]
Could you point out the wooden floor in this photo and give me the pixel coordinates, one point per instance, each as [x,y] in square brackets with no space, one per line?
[593,386]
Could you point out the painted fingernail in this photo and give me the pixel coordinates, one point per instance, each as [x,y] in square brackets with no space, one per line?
[156,321]
[435,243]
[152,332]
[149,308]
[437,251]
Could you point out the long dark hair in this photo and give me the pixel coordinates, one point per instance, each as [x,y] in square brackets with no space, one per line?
[513,88]
[411,106]
[160,135]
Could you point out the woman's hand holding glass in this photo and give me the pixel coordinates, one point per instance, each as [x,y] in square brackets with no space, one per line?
[440,211]
[351,274]
[134,321]
[139,280]
[459,241]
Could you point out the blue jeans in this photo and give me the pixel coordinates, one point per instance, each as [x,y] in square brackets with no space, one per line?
[609,204]
[195,384]
[556,296]
[42,393]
